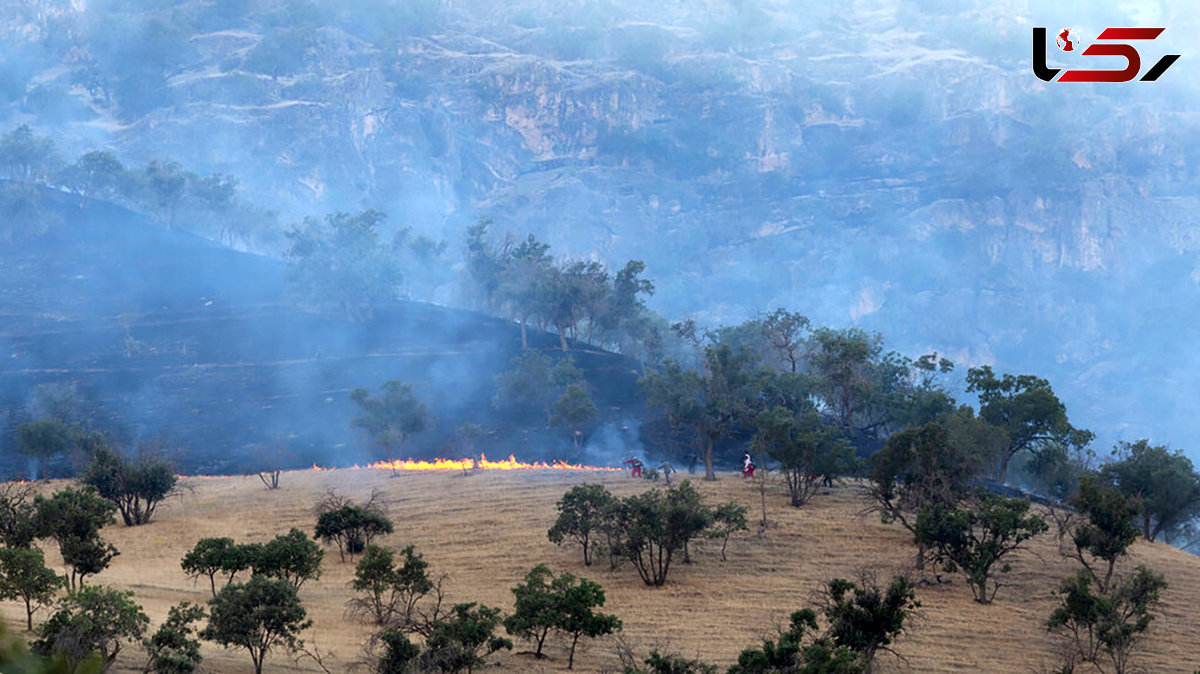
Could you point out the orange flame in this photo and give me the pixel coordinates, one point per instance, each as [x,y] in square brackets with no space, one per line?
[482,463]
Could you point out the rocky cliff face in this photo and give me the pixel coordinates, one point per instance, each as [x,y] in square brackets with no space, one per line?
[876,163]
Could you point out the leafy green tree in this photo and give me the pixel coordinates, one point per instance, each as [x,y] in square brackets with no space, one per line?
[580,517]
[866,618]
[96,174]
[24,576]
[165,184]
[978,539]
[211,556]
[392,592]
[920,468]
[659,524]
[843,361]
[45,439]
[400,655]
[1108,531]
[136,486]
[1106,624]
[711,403]
[93,621]
[574,409]
[352,528]
[520,280]
[1165,484]
[173,648]
[785,333]
[807,450]
[18,517]
[26,157]
[657,663]
[388,419]
[73,518]
[261,615]
[463,638]
[536,381]
[545,603]
[293,557]
[571,293]
[1027,409]
[340,262]
[794,653]
[727,519]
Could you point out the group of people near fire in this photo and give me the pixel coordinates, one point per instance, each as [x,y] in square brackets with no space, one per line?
[636,465]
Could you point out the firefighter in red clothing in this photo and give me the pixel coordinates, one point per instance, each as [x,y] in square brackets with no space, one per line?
[635,468]
[747,465]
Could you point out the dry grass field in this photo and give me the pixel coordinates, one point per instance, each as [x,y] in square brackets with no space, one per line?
[487,529]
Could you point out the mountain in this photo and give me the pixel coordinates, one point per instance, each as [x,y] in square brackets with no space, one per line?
[887,164]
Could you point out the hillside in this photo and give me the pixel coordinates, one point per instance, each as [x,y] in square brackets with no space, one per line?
[169,338]
[487,529]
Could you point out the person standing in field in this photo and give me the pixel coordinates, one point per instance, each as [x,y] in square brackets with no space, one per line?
[747,465]
[635,467]
[666,470]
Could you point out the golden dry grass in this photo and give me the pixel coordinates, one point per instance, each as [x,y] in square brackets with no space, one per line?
[488,529]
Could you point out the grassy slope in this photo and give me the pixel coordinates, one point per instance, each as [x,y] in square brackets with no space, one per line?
[486,530]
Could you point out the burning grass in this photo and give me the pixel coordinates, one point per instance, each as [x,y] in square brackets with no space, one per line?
[486,529]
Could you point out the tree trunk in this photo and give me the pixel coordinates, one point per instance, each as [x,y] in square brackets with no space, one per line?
[562,339]
[524,337]
[709,475]
[571,657]
[28,615]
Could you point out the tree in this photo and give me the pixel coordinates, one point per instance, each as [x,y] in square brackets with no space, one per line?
[293,557]
[1109,623]
[96,174]
[657,663]
[1108,531]
[173,649]
[399,654]
[211,556]
[24,576]
[863,619]
[45,439]
[537,382]
[727,519]
[73,518]
[165,183]
[574,409]
[340,262]
[807,450]
[1165,484]
[544,603]
[658,524]
[136,486]
[975,540]
[93,620]
[18,517]
[785,333]
[842,360]
[710,403]
[580,517]
[390,418]
[260,615]
[1027,409]
[352,528]
[919,468]
[520,279]
[25,157]
[463,638]
[392,591]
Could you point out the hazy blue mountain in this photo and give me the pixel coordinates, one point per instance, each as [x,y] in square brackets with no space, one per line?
[886,163]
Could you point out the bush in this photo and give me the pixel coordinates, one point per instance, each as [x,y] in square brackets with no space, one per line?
[293,557]
[658,524]
[351,527]
[73,518]
[211,556]
[1110,623]
[24,576]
